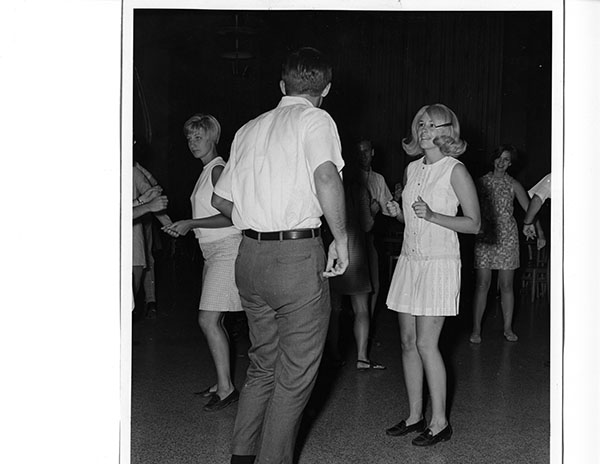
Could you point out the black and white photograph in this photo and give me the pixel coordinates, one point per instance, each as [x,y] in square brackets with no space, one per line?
[361,232]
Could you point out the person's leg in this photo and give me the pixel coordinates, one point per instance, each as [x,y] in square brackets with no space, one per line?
[294,286]
[507,299]
[149,283]
[211,323]
[138,274]
[264,339]
[428,329]
[360,306]
[482,286]
[333,332]
[373,258]
[412,367]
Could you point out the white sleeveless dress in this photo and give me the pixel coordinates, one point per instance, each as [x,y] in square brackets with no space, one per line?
[426,281]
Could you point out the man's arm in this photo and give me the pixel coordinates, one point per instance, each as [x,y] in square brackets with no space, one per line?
[534,206]
[330,193]
[154,205]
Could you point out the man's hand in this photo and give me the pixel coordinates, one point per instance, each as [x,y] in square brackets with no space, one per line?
[158,204]
[529,231]
[337,259]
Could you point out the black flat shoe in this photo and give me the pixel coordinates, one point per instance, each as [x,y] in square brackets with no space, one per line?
[402,429]
[427,438]
[216,403]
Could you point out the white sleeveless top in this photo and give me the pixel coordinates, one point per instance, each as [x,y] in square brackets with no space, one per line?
[202,207]
[423,239]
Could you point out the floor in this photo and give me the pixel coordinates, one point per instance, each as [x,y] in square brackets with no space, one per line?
[498,394]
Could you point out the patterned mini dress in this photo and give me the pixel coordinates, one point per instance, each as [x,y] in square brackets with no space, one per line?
[497,244]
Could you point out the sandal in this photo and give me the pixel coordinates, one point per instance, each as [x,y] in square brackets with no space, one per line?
[510,336]
[366,365]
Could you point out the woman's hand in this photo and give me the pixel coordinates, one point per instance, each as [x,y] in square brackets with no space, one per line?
[541,243]
[393,208]
[158,204]
[422,209]
[150,194]
[177,228]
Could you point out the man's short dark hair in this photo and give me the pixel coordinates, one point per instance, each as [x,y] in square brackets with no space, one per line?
[306,71]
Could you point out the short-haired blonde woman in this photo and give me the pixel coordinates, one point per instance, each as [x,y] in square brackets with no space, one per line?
[425,287]
[219,241]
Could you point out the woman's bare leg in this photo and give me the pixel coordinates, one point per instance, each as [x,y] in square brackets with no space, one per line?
[211,323]
[412,367]
[428,329]
[482,286]
[507,298]
[360,305]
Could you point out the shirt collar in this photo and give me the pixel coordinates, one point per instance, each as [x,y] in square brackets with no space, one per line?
[288,100]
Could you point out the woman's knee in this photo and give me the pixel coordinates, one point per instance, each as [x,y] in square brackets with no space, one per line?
[408,343]
[208,320]
[506,283]
[483,281]
[426,346]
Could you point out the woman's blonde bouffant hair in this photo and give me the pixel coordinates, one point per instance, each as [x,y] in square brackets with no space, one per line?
[449,142]
[203,121]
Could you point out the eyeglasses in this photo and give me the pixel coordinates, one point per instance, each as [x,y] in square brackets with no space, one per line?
[444,125]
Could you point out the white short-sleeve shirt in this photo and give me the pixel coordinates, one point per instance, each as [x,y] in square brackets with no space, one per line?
[541,189]
[270,173]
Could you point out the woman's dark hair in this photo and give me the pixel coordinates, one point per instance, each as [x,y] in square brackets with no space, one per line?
[306,71]
[511,149]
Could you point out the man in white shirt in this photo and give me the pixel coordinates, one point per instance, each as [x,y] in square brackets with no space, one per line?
[283,174]
[380,194]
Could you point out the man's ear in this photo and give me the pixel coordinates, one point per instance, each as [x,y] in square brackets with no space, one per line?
[282,86]
[326,90]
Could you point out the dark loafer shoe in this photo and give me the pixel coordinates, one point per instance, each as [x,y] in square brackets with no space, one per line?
[402,429]
[427,438]
[216,403]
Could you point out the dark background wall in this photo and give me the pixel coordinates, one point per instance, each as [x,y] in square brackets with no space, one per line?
[492,68]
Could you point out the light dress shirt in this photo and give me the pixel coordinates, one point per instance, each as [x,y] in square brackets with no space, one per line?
[541,189]
[202,207]
[379,190]
[270,174]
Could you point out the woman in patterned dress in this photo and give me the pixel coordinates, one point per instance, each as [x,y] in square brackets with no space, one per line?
[219,241]
[497,244]
[425,287]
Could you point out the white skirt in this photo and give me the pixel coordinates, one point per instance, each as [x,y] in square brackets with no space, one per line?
[219,291]
[425,287]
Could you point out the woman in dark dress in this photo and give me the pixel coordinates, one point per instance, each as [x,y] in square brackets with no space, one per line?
[356,281]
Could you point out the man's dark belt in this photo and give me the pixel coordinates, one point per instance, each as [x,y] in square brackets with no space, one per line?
[283,234]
